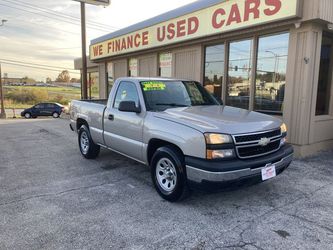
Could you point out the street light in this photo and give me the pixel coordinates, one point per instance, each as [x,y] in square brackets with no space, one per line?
[275,65]
[3,22]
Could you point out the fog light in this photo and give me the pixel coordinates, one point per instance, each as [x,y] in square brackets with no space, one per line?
[220,154]
[283,142]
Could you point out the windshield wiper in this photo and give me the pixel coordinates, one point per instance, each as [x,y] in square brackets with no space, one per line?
[171,104]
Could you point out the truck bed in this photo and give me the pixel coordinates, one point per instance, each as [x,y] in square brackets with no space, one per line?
[91,111]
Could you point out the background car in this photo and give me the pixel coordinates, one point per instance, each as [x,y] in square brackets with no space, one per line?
[43,109]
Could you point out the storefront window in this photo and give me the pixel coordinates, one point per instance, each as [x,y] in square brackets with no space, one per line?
[93,83]
[166,65]
[214,69]
[133,67]
[110,76]
[325,76]
[271,73]
[239,74]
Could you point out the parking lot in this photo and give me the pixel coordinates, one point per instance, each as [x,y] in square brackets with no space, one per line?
[52,198]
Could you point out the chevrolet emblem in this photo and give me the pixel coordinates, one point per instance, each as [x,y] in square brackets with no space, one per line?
[264,141]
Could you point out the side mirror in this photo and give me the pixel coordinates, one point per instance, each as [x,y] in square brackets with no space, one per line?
[129,106]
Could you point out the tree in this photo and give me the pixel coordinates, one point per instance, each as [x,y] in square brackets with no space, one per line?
[64,77]
[28,80]
[75,80]
[48,80]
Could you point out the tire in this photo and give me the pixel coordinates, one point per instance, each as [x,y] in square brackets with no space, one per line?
[168,174]
[27,115]
[55,115]
[88,148]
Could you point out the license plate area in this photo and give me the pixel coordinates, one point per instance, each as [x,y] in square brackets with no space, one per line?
[268,172]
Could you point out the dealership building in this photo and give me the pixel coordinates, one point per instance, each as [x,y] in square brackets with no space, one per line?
[270,56]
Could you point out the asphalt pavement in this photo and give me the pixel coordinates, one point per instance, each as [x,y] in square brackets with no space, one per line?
[52,198]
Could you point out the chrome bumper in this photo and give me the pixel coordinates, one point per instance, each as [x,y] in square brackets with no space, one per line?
[198,175]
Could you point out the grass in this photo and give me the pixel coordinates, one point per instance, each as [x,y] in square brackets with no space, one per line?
[54,94]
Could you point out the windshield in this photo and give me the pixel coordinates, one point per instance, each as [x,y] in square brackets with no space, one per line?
[161,95]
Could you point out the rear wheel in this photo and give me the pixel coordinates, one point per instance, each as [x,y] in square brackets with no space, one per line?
[168,173]
[27,115]
[88,148]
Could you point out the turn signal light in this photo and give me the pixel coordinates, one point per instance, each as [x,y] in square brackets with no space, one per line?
[220,154]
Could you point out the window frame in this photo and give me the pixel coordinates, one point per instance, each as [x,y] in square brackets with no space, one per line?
[253,63]
[129,66]
[255,38]
[226,57]
[159,64]
[119,85]
[329,114]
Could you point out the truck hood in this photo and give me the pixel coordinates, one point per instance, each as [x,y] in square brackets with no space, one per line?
[220,119]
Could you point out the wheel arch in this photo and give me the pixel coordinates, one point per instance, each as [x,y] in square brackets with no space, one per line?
[80,122]
[155,143]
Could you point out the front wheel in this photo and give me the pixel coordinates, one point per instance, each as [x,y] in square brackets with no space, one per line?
[87,147]
[55,115]
[27,115]
[168,174]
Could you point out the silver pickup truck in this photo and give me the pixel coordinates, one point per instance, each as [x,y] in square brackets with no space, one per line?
[182,132]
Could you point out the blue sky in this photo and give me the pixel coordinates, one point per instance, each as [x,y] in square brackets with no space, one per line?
[33,36]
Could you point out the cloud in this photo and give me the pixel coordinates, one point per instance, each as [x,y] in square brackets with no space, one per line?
[38,39]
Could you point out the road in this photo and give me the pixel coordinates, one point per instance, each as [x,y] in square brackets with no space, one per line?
[52,198]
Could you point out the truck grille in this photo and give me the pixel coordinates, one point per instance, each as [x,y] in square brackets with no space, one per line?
[258,150]
[258,144]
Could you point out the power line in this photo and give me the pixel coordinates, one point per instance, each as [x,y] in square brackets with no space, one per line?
[37,67]
[59,13]
[55,13]
[59,49]
[35,64]
[58,19]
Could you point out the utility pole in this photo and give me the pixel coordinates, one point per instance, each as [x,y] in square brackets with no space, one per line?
[3,112]
[84,82]
[84,56]
[2,106]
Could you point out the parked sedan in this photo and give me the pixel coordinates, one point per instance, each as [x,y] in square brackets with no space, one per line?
[43,109]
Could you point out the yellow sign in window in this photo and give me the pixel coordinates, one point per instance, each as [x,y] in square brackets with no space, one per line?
[152,85]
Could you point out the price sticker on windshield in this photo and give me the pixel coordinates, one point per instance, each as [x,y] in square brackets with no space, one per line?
[152,85]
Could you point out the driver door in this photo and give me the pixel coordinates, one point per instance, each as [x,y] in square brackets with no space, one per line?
[123,131]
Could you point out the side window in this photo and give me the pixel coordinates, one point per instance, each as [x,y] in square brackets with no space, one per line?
[39,106]
[126,92]
[50,106]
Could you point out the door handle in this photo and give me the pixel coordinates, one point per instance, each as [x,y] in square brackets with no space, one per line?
[111,117]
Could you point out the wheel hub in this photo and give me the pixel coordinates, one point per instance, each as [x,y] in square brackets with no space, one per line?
[166,174]
[84,141]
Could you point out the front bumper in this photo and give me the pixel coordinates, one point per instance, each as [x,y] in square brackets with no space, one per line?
[201,170]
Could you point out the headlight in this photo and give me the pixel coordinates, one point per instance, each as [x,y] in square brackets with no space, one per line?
[283,128]
[219,146]
[213,139]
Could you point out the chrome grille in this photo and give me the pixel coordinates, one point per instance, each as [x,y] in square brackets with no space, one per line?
[257,137]
[257,144]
